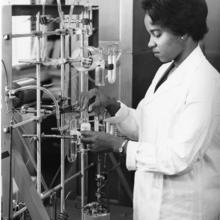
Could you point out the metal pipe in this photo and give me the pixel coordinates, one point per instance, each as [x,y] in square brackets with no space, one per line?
[58,136]
[55,177]
[56,188]
[38,76]
[43,111]
[27,149]
[62,149]
[51,136]
[19,124]
[10,174]
[33,34]
[19,212]
[82,154]
[34,118]
[30,157]
[40,33]
[83,88]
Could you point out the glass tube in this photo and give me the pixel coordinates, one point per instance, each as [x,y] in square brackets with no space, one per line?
[99,76]
[73,148]
[85,125]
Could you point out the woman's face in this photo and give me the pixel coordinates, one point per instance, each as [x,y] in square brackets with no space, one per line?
[164,44]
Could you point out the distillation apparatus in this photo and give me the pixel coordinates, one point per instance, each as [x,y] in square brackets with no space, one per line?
[83,59]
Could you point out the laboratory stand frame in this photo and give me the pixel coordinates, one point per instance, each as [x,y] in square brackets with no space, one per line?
[13,166]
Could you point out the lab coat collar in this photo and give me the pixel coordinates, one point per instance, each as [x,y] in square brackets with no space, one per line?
[185,69]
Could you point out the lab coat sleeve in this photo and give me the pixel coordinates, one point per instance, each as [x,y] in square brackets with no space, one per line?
[126,120]
[188,139]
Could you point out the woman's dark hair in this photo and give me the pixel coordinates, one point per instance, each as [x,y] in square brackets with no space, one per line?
[180,16]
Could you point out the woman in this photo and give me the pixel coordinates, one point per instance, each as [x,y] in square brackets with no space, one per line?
[174,133]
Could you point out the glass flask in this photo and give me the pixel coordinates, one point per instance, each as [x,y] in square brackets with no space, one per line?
[88,58]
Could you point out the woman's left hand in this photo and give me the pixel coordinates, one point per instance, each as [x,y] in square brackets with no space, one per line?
[101,141]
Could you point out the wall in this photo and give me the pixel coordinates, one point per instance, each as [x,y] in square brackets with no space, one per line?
[144,63]
[212,39]
[108,19]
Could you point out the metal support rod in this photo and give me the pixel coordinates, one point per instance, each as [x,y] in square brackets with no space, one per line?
[19,124]
[62,159]
[83,88]
[59,136]
[30,156]
[43,41]
[35,33]
[55,177]
[43,111]
[50,136]
[82,157]
[56,188]
[82,150]
[22,123]
[19,212]
[26,147]
[83,80]
[38,76]
[39,33]
[10,174]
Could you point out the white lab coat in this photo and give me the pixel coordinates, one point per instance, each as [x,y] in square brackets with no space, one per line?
[176,154]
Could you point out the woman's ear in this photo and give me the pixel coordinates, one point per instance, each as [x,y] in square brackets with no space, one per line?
[184,37]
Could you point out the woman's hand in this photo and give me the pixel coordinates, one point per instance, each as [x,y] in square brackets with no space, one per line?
[94,100]
[101,141]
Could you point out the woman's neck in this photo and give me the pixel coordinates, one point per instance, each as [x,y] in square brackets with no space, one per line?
[189,46]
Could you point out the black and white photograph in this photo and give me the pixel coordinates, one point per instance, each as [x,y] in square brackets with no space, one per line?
[110,110]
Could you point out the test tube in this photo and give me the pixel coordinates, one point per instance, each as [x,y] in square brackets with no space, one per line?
[112,60]
[109,62]
[85,125]
[72,151]
[99,76]
[73,126]
[90,24]
[96,123]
